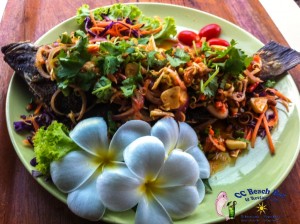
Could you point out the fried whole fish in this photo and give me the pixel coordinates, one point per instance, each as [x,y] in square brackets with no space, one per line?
[276,60]
[21,58]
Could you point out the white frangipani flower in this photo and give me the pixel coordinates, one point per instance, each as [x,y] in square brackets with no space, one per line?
[182,136]
[162,188]
[77,172]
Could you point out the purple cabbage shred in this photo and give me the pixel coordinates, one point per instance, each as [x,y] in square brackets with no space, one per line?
[87,25]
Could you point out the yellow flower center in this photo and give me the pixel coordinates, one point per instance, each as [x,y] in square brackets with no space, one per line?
[106,159]
[149,188]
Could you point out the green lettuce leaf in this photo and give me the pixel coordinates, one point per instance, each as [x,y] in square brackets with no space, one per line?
[51,144]
[82,13]
[168,30]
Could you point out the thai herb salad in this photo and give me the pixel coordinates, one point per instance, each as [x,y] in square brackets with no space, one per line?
[126,67]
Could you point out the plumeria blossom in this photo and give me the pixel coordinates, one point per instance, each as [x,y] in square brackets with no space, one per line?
[77,172]
[182,136]
[162,188]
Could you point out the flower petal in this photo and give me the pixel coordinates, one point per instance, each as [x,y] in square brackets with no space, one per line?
[151,211]
[202,161]
[167,131]
[201,190]
[187,137]
[73,170]
[126,134]
[178,170]
[85,203]
[145,156]
[91,135]
[118,189]
[179,201]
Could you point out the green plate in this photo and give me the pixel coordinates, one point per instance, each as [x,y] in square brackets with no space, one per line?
[256,169]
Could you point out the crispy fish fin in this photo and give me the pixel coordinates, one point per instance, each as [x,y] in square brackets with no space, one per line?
[277,60]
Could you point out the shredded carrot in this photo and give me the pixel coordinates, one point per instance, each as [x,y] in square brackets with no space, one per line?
[279,94]
[93,48]
[271,145]
[26,142]
[34,123]
[248,134]
[255,131]
[38,109]
[273,122]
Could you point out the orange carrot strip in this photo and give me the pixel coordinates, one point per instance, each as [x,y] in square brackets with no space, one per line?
[279,94]
[38,109]
[255,131]
[274,121]
[248,135]
[26,142]
[92,48]
[271,145]
[34,123]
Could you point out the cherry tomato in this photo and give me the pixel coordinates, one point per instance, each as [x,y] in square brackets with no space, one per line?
[218,41]
[187,37]
[210,31]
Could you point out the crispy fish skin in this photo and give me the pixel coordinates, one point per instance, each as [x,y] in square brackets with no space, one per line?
[21,58]
[277,60]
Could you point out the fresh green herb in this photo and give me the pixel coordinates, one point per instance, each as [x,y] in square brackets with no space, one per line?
[211,84]
[65,38]
[103,90]
[153,62]
[237,61]
[129,85]
[243,140]
[270,83]
[69,70]
[51,144]
[180,57]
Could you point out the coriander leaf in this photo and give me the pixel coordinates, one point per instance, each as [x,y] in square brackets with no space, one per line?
[130,84]
[180,53]
[110,48]
[211,88]
[69,69]
[243,140]
[211,84]
[175,62]
[270,83]
[65,38]
[109,64]
[128,89]
[103,89]
[180,57]
[153,62]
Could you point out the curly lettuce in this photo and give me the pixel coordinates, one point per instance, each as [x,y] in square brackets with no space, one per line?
[132,14]
[51,144]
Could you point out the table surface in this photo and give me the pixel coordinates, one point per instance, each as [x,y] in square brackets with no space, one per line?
[22,199]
